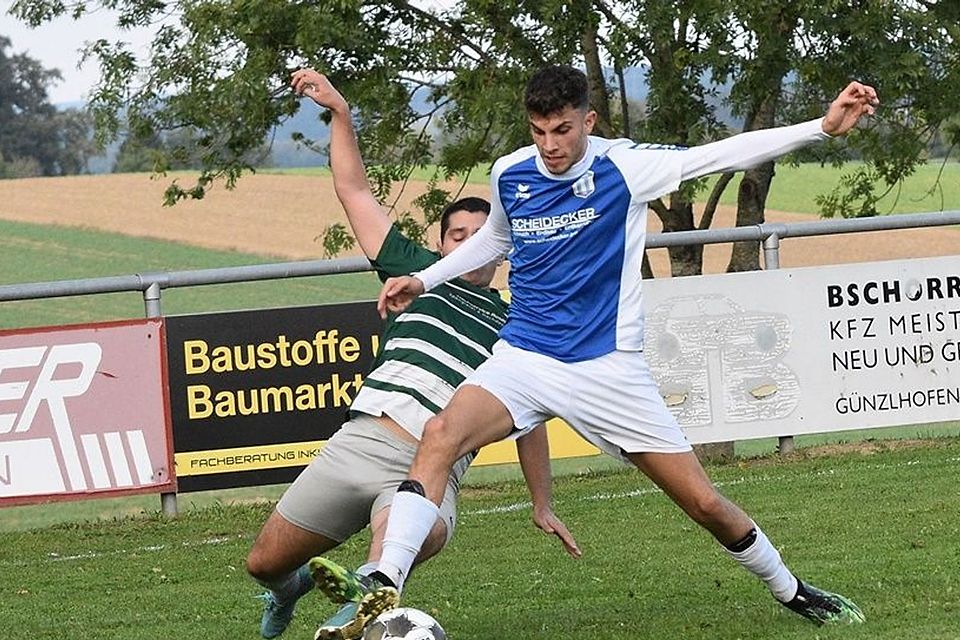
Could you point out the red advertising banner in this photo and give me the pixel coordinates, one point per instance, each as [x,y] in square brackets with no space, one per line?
[83,412]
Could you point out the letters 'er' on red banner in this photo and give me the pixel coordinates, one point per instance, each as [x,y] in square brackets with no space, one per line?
[83,412]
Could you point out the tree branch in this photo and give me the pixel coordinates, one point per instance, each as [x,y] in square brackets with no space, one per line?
[711,207]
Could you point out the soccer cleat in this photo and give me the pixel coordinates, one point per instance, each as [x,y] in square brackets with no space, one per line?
[338,583]
[349,622]
[823,607]
[276,614]
[363,599]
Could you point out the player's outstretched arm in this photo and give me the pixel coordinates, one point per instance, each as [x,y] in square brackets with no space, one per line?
[533,450]
[749,149]
[397,294]
[368,219]
[854,102]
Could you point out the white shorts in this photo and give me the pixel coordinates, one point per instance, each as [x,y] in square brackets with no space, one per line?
[612,401]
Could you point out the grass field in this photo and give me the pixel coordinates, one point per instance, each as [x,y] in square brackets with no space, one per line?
[878,525]
[878,522]
[794,189]
[40,253]
[934,187]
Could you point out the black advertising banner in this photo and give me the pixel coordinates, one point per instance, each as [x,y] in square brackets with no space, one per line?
[253,394]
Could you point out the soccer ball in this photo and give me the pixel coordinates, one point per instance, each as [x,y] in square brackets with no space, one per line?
[404,623]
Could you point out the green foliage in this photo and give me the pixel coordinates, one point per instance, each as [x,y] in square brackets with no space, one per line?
[853,197]
[221,68]
[35,138]
[336,238]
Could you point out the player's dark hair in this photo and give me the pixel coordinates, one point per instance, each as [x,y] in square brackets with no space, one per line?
[471,204]
[552,89]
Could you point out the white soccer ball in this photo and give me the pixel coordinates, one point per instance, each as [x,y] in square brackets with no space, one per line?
[404,623]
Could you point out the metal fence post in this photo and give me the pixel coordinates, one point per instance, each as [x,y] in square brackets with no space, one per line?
[151,305]
[771,260]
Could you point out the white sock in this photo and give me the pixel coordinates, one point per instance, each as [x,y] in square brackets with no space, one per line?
[763,560]
[366,569]
[411,518]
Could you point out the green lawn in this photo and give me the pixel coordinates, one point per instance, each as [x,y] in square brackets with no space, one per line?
[879,527]
[795,188]
[40,253]
[934,186]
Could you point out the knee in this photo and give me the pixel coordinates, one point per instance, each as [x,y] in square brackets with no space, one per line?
[708,507]
[258,564]
[441,435]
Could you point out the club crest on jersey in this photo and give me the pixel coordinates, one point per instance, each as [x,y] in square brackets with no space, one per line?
[523,192]
[584,186]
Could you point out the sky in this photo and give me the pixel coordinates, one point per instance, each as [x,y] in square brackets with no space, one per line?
[56,45]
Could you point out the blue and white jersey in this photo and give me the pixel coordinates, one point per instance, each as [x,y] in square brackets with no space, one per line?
[575,241]
[577,246]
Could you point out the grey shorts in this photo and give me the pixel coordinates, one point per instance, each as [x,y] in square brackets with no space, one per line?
[354,476]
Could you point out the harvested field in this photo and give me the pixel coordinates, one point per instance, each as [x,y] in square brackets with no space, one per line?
[284,216]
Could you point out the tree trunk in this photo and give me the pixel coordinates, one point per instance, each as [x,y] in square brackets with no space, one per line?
[774,32]
[751,203]
[599,101]
[686,260]
[752,194]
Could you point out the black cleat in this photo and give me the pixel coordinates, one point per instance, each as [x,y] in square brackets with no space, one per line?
[824,607]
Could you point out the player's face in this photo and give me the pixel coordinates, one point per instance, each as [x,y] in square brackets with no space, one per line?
[462,225]
[561,137]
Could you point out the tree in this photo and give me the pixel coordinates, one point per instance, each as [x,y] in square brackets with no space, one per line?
[36,138]
[221,68]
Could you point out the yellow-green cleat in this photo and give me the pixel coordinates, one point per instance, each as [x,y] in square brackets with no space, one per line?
[339,583]
[349,622]
[363,599]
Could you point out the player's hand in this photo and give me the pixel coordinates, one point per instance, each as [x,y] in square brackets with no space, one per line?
[855,101]
[397,294]
[549,523]
[316,86]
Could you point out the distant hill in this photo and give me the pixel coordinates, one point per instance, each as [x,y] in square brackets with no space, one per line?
[287,153]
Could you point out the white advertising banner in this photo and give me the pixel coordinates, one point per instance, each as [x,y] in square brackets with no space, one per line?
[83,412]
[794,351]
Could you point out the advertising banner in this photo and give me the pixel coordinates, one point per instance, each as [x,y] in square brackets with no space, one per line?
[795,351]
[253,394]
[83,413]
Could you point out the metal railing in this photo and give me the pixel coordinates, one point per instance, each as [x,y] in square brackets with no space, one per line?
[152,284]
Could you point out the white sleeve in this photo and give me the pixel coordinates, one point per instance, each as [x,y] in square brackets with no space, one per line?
[491,242]
[748,149]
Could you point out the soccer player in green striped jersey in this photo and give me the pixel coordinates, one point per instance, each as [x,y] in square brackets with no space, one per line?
[424,354]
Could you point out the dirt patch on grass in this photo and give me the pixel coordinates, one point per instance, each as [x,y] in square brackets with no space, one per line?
[863,448]
[285,215]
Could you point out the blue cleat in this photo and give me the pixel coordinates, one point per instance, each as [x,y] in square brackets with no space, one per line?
[276,614]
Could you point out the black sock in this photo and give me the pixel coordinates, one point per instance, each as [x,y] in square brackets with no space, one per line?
[413,486]
[382,579]
[744,543]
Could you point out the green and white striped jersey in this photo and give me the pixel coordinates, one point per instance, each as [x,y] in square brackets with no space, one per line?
[430,348]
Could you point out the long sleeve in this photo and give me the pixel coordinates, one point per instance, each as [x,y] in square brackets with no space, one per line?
[748,149]
[491,242]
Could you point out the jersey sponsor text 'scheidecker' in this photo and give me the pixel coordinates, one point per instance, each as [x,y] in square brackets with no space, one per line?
[575,241]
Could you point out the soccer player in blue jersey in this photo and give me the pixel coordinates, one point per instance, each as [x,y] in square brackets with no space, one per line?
[571,211]
[424,354]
